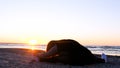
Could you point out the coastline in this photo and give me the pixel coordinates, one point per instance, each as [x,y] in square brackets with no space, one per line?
[20,58]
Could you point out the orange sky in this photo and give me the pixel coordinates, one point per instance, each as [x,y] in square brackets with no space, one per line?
[89,22]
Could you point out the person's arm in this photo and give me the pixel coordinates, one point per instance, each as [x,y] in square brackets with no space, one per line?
[50,52]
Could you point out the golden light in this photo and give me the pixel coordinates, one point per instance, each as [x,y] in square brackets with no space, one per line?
[32,44]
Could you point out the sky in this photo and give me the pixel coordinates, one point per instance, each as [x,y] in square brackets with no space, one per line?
[90,22]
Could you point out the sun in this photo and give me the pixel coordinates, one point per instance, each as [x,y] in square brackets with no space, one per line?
[33,42]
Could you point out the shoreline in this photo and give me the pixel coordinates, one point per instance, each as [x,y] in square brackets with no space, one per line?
[20,58]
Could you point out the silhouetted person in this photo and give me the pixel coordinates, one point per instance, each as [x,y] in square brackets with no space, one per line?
[68,52]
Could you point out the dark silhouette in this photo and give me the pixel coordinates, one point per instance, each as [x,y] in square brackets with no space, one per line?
[68,52]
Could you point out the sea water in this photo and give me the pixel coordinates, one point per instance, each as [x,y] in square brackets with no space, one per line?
[108,50]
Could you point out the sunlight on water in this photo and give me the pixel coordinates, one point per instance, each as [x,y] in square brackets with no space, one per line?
[109,50]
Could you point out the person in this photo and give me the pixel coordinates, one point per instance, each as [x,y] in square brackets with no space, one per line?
[68,51]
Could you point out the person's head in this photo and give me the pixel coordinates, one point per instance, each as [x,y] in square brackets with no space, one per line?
[50,45]
[62,42]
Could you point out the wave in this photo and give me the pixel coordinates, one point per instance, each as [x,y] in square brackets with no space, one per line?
[110,50]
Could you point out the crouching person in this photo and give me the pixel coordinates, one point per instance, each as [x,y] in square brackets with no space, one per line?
[68,51]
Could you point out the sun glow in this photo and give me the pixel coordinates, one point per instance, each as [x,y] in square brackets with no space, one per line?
[32,44]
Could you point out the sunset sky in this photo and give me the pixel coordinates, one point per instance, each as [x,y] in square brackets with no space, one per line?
[90,22]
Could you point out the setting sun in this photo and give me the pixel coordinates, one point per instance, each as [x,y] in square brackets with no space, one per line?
[33,42]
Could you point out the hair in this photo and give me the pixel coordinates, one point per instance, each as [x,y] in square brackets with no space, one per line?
[58,42]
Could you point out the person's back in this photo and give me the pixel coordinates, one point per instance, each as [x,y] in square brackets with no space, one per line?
[71,52]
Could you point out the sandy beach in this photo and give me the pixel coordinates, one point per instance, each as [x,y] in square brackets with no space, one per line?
[20,58]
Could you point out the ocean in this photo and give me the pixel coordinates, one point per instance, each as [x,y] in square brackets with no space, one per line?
[108,50]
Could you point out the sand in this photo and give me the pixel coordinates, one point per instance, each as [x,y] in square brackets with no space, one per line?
[20,58]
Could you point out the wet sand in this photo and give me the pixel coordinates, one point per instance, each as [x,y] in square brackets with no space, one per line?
[20,58]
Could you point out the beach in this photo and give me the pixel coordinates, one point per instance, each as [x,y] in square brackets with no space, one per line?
[20,58]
